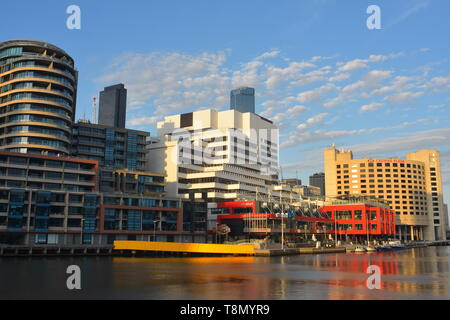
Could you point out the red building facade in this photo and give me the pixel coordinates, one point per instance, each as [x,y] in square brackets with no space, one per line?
[345,218]
[362,219]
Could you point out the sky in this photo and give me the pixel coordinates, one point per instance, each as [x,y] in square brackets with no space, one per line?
[319,72]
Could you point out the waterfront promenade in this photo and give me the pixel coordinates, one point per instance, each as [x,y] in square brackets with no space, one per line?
[144,248]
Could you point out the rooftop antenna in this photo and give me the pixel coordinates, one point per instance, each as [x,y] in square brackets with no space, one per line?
[94,110]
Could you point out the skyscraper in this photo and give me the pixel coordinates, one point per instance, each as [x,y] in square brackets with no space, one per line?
[318,180]
[38,83]
[113,106]
[243,100]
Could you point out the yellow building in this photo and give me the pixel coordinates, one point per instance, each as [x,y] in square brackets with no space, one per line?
[412,187]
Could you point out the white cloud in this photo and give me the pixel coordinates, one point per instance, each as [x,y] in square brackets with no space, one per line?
[144,121]
[275,76]
[290,114]
[413,141]
[315,94]
[302,137]
[306,81]
[269,54]
[311,121]
[371,107]
[170,82]
[438,84]
[401,97]
[353,65]
[340,77]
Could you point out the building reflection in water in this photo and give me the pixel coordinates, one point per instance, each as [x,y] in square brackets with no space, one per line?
[404,274]
[421,273]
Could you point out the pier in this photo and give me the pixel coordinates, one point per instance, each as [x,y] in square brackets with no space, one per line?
[49,251]
[216,249]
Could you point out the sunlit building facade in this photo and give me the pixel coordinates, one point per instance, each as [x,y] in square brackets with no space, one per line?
[38,84]
[411,186]
[217,156]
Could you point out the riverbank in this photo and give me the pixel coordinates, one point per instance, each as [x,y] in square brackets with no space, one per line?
[166,249]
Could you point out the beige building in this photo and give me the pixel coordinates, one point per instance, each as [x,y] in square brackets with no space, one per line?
[218,156]
[412,186]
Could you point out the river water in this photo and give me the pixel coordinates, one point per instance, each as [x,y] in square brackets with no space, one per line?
[422,273]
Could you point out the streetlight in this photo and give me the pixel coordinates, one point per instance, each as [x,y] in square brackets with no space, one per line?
[81,235]
[154,228]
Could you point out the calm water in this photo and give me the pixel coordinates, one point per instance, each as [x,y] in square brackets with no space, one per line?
[409,274]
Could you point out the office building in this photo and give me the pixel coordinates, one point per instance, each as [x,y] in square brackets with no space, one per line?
[216,156]
[318,180]
[113,106]
[243,100]
[411,186]
[38,84]
[292,181]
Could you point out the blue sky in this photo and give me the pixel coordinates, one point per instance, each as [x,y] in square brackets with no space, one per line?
[319,72]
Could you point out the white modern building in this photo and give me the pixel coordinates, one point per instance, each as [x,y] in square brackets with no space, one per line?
[218,156]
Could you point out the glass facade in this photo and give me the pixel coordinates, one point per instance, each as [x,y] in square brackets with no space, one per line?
[50,90]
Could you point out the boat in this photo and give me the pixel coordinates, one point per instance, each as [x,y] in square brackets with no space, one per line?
[371,249]
[360,250]
[384,248]
[396,245]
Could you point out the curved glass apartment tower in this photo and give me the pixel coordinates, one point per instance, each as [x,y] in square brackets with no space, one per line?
[38,84]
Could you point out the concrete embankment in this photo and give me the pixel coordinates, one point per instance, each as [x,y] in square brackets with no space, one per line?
[286,252]
[49,251]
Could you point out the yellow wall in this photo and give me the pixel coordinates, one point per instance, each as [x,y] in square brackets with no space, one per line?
[185,247]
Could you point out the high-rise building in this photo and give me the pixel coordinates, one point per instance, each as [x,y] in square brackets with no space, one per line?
[113,148]
[412,187]
[243,100]
[318,180]
[38,86]
[216,155]
[113,106]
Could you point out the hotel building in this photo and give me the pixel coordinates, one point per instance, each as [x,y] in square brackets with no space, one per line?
[411,186]
[38,84]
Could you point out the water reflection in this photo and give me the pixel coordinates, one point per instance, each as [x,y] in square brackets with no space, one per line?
[421,273]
